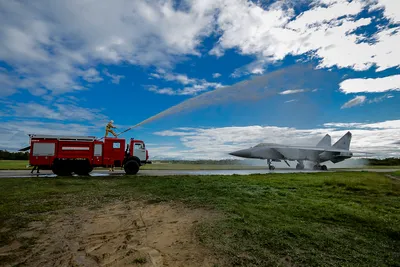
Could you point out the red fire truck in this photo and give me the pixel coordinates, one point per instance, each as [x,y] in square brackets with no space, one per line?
[65,155]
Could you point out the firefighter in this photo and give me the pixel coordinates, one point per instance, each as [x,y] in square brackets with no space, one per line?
[110,127]
[35,168]
[111,168]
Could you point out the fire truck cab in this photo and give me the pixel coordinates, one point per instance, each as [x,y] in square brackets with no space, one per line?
[65,155]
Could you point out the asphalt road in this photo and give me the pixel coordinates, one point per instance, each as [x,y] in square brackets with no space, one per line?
[99,173]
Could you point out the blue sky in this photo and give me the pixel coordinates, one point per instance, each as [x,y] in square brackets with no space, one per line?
[241,72]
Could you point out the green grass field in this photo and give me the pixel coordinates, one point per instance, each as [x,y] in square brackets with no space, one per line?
[13,164]
[321,219]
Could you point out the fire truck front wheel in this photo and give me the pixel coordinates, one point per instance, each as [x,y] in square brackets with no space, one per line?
[131,167]
[82,167]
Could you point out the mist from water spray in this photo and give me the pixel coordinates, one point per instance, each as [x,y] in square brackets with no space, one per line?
[349,163]
[257,88]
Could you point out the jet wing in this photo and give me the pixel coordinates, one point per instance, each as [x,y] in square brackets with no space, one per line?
[25,148]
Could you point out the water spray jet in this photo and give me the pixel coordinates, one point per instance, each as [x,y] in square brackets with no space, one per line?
[255,89]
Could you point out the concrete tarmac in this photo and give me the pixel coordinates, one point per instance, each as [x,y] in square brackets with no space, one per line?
[100,173]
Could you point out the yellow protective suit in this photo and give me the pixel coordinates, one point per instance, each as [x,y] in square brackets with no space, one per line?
[109,129]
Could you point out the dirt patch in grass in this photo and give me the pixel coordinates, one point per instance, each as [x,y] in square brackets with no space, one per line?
[122,234]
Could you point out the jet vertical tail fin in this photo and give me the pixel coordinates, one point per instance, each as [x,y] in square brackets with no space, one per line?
[344,142]
[325,142]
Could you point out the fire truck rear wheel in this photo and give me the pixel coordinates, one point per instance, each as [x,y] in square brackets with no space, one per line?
[131,167]
[84,170]
[61,168]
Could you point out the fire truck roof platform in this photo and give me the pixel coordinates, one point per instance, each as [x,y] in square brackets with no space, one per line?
[63,137]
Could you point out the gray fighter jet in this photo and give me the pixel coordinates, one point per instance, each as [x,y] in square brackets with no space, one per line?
[322,152]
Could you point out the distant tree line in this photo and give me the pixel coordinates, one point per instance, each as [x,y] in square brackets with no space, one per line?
[5,155]
[384,162]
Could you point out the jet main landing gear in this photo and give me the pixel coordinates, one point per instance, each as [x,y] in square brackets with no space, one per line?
[320,167]
[270,166]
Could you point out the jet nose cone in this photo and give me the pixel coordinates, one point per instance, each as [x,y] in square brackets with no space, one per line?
[244,153]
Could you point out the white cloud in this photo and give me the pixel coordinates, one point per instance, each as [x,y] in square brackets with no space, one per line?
[326,31]
[115,79]
[175,77]
[7,83]
[216,143]
[320,15]
[343,125]
[160,151]
[217,51]
[193,90]
[255,67]
[91,75]
[295,91]
[14,135]
[162,91]
[380,98]
[292,100]
[216,75]
[371,85]
[393,124]
[54,41]
[356,101]
[57,111]
[391,9]
[193,86]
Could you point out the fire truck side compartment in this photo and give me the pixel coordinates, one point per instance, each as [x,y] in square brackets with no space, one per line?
[114,151]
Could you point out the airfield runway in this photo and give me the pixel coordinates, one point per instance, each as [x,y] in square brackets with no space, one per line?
[100,173]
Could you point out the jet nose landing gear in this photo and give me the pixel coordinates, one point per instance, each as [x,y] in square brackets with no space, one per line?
[300,165]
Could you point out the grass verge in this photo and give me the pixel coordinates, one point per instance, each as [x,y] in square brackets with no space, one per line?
[13,164]
[321,219]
